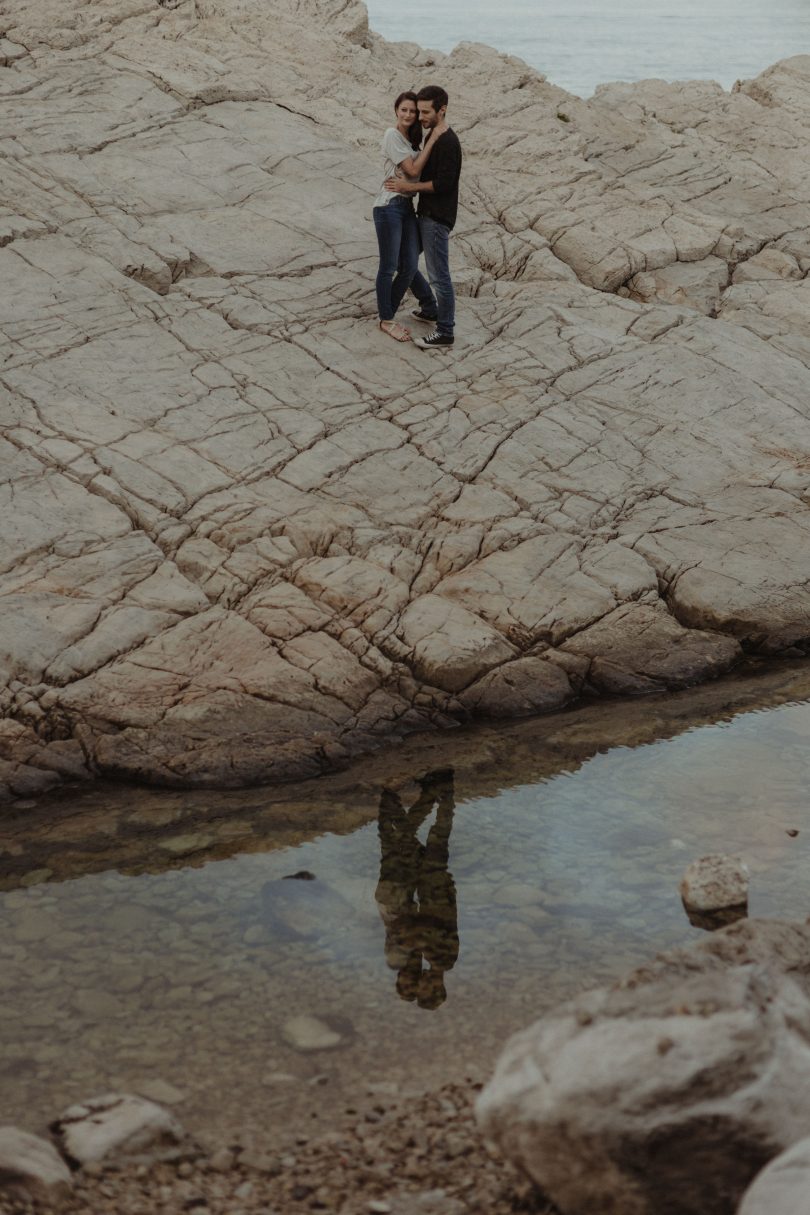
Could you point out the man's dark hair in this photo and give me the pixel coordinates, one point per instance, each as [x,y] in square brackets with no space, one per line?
[435,94]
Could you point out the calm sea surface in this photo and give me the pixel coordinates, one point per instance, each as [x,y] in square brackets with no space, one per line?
[579,44]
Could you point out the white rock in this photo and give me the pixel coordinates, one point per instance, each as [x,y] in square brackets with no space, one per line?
[702,1056]
[309,1033]
[117,1124]
[715,882]
[783,1188]
[30,1165]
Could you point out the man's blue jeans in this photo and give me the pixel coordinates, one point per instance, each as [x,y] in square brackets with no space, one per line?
[398,238]
[435,242]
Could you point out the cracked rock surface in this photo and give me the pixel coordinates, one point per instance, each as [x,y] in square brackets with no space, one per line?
[245,535]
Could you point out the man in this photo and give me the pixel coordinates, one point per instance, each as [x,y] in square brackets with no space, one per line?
[438,205]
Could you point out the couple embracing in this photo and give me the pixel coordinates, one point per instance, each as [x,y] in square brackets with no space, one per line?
[422,157]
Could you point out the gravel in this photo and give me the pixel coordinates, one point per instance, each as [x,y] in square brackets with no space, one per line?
[392,1156]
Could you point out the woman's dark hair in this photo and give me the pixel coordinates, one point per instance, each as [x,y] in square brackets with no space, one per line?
[415,129]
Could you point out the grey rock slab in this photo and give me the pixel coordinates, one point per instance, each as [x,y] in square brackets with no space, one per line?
[518,688]
[666,1093]
[30,1166]
[233,504]
[641,648]
[118,1125]
[450,646]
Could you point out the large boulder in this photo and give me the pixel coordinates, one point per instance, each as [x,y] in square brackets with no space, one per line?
[783,1187]
[666,1093]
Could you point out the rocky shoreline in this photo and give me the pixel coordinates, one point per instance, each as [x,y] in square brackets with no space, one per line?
[388,1156]
[593,1106]
[250,537]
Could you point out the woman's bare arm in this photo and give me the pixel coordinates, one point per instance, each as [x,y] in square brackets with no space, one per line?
[413,165]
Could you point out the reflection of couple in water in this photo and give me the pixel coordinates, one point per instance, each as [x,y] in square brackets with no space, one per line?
[416,894]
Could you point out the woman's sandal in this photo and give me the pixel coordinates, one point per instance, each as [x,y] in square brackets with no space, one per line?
[398,332]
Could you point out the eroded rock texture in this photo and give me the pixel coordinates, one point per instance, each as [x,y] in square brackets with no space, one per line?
[667,1092]
[245,534]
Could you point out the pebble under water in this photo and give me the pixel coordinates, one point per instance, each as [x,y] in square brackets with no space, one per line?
[261,956]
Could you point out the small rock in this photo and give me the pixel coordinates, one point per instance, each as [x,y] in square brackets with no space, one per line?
[222,1161]
[792,832]
[309,1033]
[378,1207]
[260,1163]
[429,1202]
[32,1166]
[117,1124]
[160,1091]
[181,845]
[715,883]
[36,876]
[457,1145]
[244,1191]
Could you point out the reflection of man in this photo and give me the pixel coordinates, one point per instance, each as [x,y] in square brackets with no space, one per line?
[416,894]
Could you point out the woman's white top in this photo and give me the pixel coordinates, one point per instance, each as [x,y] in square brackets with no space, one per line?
[395,149]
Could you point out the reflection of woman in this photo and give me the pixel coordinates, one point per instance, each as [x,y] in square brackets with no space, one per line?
[395,219]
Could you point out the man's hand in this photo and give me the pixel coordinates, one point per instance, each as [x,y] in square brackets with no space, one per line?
[398,185]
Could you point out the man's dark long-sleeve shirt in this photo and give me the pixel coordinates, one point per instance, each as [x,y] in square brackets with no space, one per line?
[443,168]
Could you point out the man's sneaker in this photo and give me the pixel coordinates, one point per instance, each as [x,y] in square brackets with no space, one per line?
[420,315]
[434,339]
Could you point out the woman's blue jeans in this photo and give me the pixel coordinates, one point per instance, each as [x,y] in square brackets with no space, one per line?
[398,238]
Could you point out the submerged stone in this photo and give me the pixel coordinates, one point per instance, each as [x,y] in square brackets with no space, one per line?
[310,1033]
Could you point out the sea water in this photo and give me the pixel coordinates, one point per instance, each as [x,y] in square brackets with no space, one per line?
[580,44]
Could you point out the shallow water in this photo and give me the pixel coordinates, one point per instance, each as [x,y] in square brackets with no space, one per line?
[152,935]
[583,43]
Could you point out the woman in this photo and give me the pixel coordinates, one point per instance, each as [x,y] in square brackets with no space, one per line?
[395,219]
